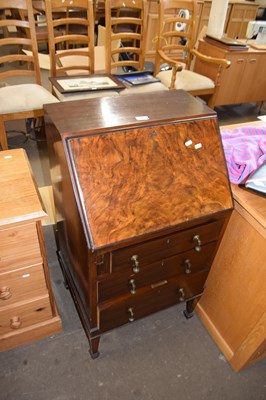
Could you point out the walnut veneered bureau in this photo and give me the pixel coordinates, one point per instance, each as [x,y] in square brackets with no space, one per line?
[142,200]
[27,307]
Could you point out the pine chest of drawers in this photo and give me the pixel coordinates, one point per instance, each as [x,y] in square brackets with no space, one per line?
[27,307]
[142,200]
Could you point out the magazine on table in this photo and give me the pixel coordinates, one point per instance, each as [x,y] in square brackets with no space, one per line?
[140,78]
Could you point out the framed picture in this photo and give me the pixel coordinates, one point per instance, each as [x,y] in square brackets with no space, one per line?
[84,83]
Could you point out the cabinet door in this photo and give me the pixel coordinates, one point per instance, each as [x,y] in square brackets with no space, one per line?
[240,15]
[152,28]
[231,82]
[204,10]
[253,86]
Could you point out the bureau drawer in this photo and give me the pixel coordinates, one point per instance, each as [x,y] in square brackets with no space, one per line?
[24,314]
[130,308]
[22,284]
[128,282]
[166,246]
[19,247]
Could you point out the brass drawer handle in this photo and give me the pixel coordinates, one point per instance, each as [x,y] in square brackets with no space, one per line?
[15,323]
[197,241]
[133,286]
[240,61]
[252,60]
[135,263]
[131,314]
[181,293]
[5,293]
[188,266]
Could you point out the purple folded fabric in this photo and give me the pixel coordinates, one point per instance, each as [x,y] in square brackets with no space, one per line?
[245,151]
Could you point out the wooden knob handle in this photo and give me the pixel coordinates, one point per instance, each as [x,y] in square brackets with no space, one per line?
[15,323]
[5,293]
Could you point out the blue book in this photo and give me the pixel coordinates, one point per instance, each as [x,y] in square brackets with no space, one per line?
[138,79]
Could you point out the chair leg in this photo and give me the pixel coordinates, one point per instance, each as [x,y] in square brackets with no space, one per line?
[211,101]
[3,136]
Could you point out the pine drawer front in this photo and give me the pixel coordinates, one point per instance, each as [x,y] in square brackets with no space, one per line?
[24,314]
[19,247]
[185,263]
[158,296]
[22,284]
[167,246]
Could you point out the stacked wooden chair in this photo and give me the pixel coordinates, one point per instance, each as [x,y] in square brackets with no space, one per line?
[20,101]
[126,20]
[176,48]
[72,52]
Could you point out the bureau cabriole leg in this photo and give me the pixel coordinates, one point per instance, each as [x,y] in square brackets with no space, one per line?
[190,305]
[94,345]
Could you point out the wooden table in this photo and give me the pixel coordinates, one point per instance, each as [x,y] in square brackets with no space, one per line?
[233,306]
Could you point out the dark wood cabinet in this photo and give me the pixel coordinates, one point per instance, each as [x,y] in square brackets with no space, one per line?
[142,200]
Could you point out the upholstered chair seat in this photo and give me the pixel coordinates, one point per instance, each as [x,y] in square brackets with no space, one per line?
[186,80]
[24,97]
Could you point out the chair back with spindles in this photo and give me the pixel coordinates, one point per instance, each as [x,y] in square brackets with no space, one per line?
[20,33]
[176,34]
[125,21]
[75,21]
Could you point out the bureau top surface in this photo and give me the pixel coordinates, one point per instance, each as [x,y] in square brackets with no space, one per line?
[147,179]
[95,115]
[19,201]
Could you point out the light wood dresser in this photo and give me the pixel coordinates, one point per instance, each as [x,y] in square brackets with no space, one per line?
[27,307]
[142,200]
[233,306]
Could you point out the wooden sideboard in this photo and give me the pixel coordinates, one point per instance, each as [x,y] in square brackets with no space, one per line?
[244,81]
[239,13]
[27,306]
[142,200]
[233,306]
